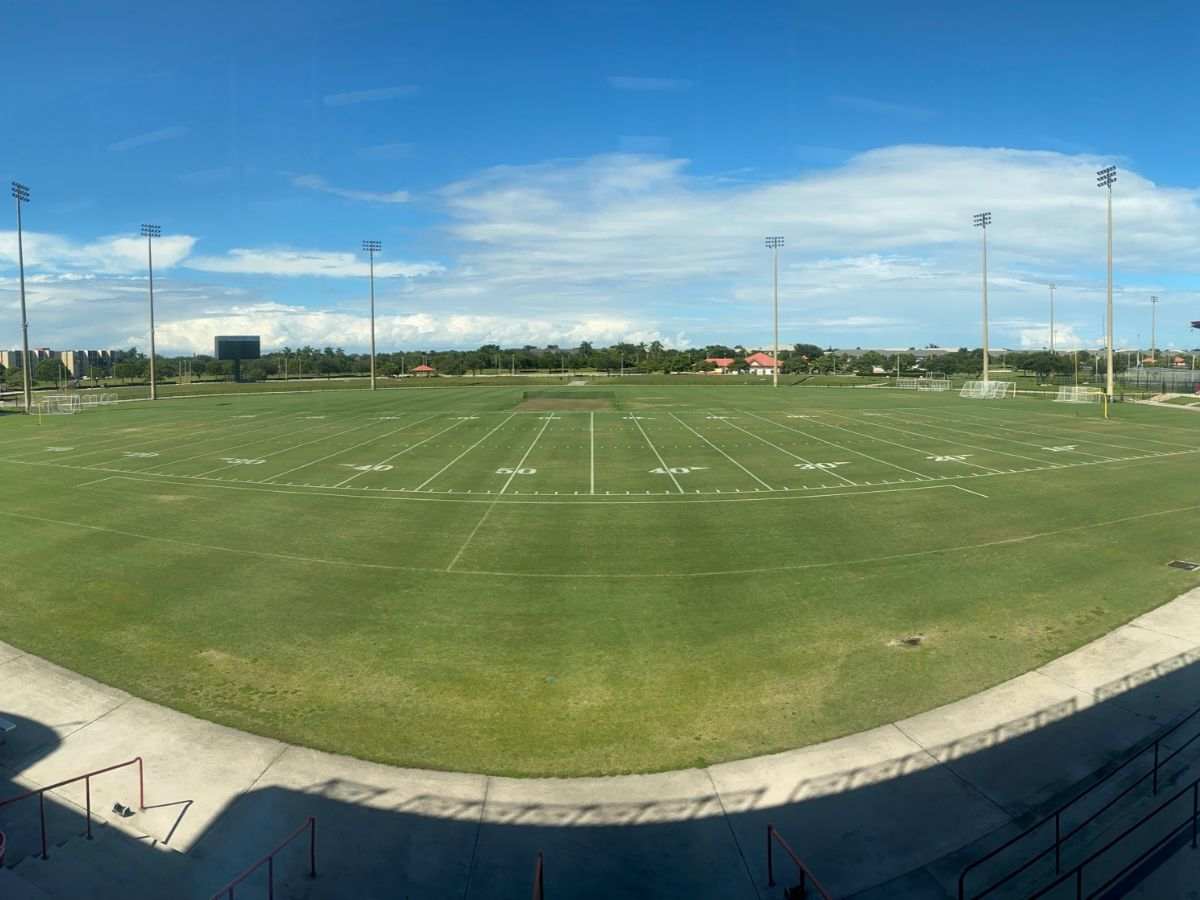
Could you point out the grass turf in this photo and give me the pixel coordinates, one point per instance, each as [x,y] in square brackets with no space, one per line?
[429,577]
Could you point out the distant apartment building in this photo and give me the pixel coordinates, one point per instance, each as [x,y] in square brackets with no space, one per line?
[77,362]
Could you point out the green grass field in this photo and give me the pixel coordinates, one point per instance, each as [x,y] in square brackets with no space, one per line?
[469,578]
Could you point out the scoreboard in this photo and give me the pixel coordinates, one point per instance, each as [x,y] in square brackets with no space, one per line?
[237,346]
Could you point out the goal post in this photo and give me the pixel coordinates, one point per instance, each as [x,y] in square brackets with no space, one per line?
[1077,393]
[988,390]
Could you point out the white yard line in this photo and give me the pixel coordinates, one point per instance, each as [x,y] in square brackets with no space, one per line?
[382,462]
[1085,436]
[882,440]
[464,453]
[487,512]
[836,446]
[788,452]
[661,461]
[257,440]
[592,438]
[960,442]
[325,437]
[722,452]
[338,452]
[933,422]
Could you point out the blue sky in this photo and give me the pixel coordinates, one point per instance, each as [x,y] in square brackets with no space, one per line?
[566,172]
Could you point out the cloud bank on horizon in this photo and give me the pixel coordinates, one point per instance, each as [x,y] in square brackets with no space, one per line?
[879,252]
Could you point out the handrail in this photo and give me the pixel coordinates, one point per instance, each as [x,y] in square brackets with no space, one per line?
[1077,871]
[310,824]
[539,878]
[805,873]
[1056,816]
[86,778]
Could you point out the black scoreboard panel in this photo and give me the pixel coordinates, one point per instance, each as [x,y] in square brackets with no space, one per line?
[237,346]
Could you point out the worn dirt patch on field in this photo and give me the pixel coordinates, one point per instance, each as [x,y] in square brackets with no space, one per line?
[555,404]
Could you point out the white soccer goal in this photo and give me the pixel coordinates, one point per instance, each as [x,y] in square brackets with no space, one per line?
[933,384]
[909,384]
[988,390]
[1077,393]
[58,405]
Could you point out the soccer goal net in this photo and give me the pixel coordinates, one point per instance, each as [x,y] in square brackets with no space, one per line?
[988,390]
[58,405]
[933,384]
[1075,393]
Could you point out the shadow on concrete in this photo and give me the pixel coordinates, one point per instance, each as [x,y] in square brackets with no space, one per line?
[890,813]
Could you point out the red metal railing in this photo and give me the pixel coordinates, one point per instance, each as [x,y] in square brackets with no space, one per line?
[539,878]
[310,825]
[1061,836]
[86,778]
[806,874]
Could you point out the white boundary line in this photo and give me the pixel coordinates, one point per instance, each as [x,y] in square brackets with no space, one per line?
[592,439]
[722,452]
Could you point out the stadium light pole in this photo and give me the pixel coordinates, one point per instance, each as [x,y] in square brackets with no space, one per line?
[1105,178]
[774,243]
[150,232]
[372,247]
[983,220]
[1153,330]
[21,194]
[1052,318]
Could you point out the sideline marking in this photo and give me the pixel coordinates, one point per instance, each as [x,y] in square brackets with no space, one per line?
[592,438]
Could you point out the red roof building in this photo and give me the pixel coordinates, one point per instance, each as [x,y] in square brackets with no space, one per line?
[761,363]
[722,364]
[423,370]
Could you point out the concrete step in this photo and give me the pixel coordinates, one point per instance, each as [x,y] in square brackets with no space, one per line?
[14,887]
[114,866]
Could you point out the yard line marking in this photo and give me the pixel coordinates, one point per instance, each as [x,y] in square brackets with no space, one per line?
[487,512]
[883,440]
[464,453]
[257,440]
[1092,436]
[324,437]
[662,462]
[782,450]
[383,462]
[722,452]
[351,447]
[969,491]
[934,423]
[1040,462]
[807,434]
[97,481]
[592,437]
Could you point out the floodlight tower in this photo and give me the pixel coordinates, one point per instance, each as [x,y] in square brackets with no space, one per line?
[372,247]
[983,220]
[150,232]
[774,243]
[1153,330]
[1105,178]
[1052,318]
[21,194]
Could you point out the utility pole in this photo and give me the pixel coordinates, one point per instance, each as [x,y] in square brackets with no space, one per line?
[372,247]
[983,220]
[774,243]
[21,194]
[1105,178]
[1052,318]
[150,232]
[1153,330]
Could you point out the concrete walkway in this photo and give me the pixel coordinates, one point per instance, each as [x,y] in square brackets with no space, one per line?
[887,811]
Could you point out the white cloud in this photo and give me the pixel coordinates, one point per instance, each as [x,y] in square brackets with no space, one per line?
[322,263]
[317,183]
[150,137]
[637,83]
[107,255]
[350,98]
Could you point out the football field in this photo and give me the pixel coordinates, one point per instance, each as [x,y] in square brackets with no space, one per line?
[583,580]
